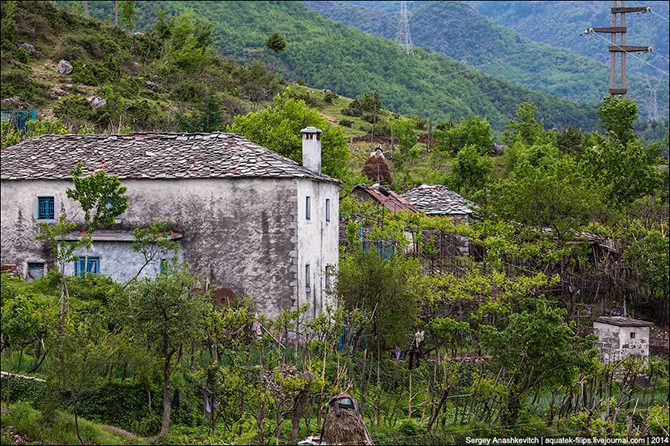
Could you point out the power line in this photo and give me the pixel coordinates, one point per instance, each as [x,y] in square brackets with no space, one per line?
[640,59]
[664,18]
[403,38]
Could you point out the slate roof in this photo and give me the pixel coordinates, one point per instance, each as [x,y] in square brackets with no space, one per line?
[150,156]
[387,198]
[622,321]
[438,200]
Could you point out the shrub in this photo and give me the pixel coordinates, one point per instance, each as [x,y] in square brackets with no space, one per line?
[73,109]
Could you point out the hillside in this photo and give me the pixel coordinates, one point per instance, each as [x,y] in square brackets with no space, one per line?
[328,55]
[457,31]
[561,23]
[120,81]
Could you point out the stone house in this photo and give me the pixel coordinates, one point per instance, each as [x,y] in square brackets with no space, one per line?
[434,199]
[247,219]
[620,337]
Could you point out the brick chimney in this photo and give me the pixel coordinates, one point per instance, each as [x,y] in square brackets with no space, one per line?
[311,148]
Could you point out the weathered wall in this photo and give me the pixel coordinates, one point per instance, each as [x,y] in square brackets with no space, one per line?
[615,343]
[318,242]
[238,233]
[119,261]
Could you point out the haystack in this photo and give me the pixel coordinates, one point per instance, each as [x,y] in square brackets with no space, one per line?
[344,425]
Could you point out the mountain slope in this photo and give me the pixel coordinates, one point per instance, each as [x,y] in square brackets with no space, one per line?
[326,54]
[459,32]
[561,24]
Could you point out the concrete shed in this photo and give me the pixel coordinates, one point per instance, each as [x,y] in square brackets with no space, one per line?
[620,337]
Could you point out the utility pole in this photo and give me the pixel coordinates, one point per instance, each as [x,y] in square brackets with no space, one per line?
[621,48]
[403,38]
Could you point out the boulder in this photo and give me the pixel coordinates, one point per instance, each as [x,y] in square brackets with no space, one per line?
[65,67]
[27,47]
[15,103]
[56,92]
[153,86]
[97,102]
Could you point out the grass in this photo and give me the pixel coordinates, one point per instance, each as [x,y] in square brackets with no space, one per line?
[30,424]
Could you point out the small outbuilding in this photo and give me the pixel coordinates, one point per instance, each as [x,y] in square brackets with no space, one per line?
[620,337]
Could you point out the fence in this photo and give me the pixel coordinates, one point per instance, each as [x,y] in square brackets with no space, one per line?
[19,118]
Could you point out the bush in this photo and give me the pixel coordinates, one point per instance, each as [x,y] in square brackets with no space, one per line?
[73,108]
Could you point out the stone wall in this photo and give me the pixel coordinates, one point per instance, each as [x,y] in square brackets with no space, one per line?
[238,233]
[616,343]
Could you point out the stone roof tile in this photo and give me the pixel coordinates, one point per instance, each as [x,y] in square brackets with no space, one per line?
[438,200]
[148,155]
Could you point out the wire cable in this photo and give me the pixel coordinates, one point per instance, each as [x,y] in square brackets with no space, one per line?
[664,18]
[632,54]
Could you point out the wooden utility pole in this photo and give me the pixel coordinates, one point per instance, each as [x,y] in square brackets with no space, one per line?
[621,48]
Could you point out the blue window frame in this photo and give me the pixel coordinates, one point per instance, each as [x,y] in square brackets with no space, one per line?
[45,208]
[308,208]
[93,266]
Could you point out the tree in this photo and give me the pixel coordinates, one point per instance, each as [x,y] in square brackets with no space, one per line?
[470,170]
[618,116]
[472,131]
[101,197]
[151,242]
[128,13]
[278,128]
[536,348]
[545,190]
[524,127]
[386,290]
[404,130]
[163,314]
[275,43]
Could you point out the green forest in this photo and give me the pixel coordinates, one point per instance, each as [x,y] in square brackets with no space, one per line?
[459,32]
[570,223]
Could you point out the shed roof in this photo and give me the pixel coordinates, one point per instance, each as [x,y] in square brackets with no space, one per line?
[434,199]
[386,197]
[621,321]
[149,156]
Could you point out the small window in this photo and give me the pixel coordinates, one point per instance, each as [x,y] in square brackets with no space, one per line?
[308,210]
[35,270]
[327,209]
[92,266]
[632,335]
[45,208]
[308,280]
[164,266]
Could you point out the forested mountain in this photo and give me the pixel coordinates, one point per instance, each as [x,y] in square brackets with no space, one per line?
[328,55]
[459,32]
[562,23]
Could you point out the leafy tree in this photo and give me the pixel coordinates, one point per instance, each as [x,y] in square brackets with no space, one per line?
[570,141]
[472,131]
[101,196]
[63,253]
[618,116]
[524,127]
[471,170]
[278,128]
[153,241]
[386,290]
[190,44]
[207,118]
[128,13]
[405,131]
[650,258]
[536,348]
[545,190]
[163,314]
[622,171]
